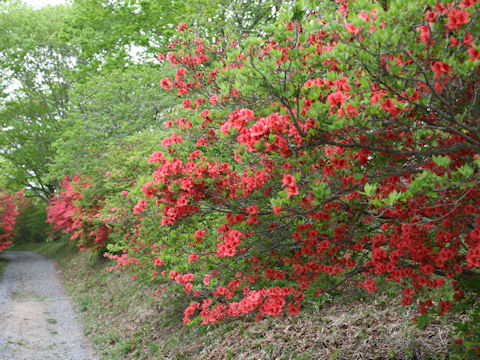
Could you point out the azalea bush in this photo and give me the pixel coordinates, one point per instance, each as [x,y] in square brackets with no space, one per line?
[8,216]
[70,211]
[97,210]
[341,149]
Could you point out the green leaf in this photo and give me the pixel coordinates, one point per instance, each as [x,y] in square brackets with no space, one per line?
[332,76]
[320,190]
[466,171]
[376,202]
[423,320]
[393,196]
[442,161]
[370,189]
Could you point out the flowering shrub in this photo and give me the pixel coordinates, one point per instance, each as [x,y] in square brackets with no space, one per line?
[324,164]
[8,215]
[96,211]
[70,211]
[340,150]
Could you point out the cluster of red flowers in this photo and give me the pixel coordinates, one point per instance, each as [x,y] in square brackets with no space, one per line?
[404,238]
[67,213]
[8,215]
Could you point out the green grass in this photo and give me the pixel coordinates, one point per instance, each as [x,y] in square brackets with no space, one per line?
[2,266]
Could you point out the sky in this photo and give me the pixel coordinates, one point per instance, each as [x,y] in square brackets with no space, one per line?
[37,4]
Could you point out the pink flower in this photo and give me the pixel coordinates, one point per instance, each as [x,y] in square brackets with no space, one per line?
[199,235]
[465,4]
[474,54]
[440,68]
[369,285]
[156,157]
[172,58]
[181,27]
[363,16]
[187,104]
[288,181]
[336,98]
[206,279]
[252,209]
[214,99]
[424,33]
[457,18]
[277,210]
[141,205]
[353,29]
[473,257]
[390,106]
[166,83]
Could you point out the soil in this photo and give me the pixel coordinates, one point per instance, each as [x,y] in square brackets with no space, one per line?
[37,319]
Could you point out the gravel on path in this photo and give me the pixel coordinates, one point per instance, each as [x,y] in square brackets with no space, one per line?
[37,320]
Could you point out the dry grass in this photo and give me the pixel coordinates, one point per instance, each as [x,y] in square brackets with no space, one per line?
[348,331]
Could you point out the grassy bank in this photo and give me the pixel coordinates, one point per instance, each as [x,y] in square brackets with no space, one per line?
[123,321]
[2,265]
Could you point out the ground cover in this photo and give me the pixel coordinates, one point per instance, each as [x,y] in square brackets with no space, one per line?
[123,321]
[2,265]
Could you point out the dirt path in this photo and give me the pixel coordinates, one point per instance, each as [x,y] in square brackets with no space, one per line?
[37,320]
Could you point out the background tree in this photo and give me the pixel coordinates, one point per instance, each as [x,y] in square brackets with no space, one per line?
[35,63]
[112,34]
[234,18]
[102,111]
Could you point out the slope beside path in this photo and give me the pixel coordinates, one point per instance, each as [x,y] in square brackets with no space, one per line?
[37,320]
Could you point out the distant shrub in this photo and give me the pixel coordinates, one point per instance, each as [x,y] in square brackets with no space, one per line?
[8,216]
[31,225]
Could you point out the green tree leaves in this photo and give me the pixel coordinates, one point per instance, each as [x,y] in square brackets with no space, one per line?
[102,111]
[35,65]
